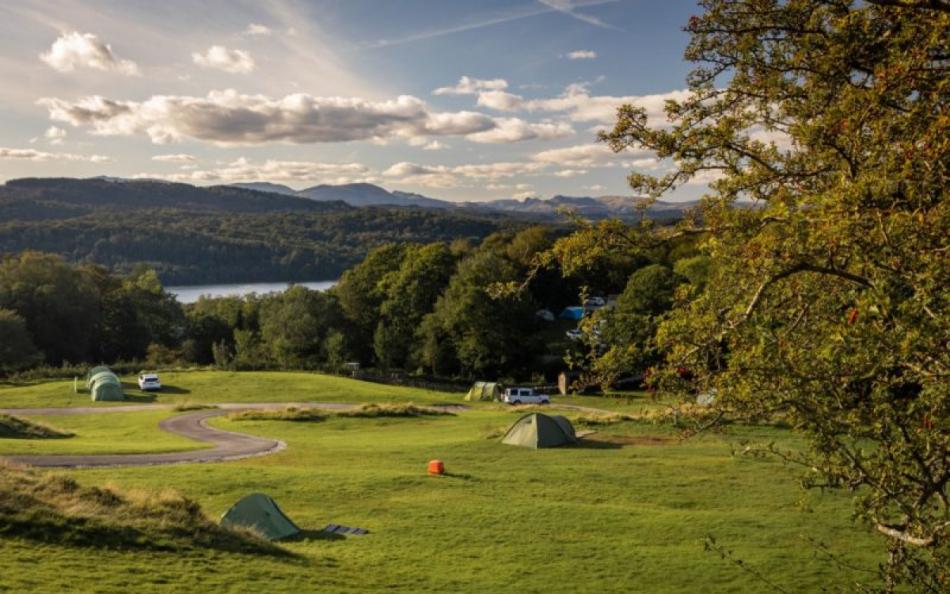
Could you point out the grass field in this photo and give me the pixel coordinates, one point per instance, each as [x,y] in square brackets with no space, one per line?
[629,515]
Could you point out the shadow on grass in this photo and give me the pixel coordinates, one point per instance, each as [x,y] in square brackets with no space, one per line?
[596,444]
[166,389]
[455,475]
[139,397]
[311,535]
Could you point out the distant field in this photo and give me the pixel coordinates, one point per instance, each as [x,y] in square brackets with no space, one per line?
[611,518]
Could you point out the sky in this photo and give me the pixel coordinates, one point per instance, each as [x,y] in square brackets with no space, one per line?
[457,100]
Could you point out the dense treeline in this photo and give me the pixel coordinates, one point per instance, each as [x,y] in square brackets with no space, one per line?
[192,235]
[418,308]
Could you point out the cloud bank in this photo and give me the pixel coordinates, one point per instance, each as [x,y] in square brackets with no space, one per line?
[229,118]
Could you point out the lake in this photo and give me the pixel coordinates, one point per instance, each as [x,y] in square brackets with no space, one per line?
[190,293]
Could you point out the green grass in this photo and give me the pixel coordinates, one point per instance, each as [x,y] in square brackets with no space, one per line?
[117,433]
[195,387]
[305,415]
[392,410]
[17,428]
[44,508]
[604,518]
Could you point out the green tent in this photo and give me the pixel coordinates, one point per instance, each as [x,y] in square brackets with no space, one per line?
[104,385]
[261,514]
[484,391]
[538,430]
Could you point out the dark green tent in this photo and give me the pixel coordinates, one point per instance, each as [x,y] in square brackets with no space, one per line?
[103,384]
[261,514]
[538,430]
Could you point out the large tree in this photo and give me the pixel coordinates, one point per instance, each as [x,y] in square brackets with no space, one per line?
[16,347]
[827,301]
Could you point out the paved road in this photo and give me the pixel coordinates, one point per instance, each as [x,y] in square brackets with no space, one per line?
[228,445]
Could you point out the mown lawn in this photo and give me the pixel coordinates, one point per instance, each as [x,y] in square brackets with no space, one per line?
[586,519]
[119,433]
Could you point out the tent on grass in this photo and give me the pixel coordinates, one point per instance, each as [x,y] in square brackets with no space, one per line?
[484,391]
[538,430]
[103,384]
[260,513]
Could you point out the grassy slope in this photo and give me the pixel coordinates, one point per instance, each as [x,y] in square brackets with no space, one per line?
[125,433]
[566,520]
[17,428]
[217,386]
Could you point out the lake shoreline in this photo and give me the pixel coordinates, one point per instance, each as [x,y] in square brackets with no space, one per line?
[186,294]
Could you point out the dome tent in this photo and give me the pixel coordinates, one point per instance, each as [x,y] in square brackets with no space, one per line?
[261,514]
[538,430]
[103,384]
[484,391]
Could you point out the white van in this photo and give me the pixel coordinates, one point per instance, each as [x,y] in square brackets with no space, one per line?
[525,396]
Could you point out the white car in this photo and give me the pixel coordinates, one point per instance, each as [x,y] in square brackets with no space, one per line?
[525,396]
[149,381]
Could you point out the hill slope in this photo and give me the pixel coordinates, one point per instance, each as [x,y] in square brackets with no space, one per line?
[206,235]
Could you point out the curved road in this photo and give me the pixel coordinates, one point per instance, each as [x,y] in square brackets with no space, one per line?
[194,425]
[228,445]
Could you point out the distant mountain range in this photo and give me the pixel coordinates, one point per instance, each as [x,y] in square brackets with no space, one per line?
[600,207]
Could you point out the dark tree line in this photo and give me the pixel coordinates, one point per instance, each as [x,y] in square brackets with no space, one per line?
[427,308]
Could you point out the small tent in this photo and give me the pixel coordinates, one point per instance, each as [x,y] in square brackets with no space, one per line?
[104,385]
[484,391]
[572,313]
[537,430]
[261,514]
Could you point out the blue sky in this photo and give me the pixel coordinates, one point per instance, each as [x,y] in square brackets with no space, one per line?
[460,100]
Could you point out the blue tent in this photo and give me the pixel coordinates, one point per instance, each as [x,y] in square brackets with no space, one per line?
[572,313]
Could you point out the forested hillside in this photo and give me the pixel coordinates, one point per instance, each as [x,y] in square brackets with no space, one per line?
[218,234]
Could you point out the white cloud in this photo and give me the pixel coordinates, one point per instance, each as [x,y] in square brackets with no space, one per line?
[76,50]
[426,144]
[432,176]
[498,170]
[595,188]
[581,106]
[176,158]
[644,163]
[515,130]
[500,100]
[782,141]
[570,172]
[10,154]
[255,29]
[525,195]
[221,58]
[495,187]
[470,86]
[581,155]
[245,170]
[582,55]
[444,176]
[55,135]
[229,118]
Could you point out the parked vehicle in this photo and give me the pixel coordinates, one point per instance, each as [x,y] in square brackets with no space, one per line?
[575,334]
[525,396]
[149,382]
[595,302]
